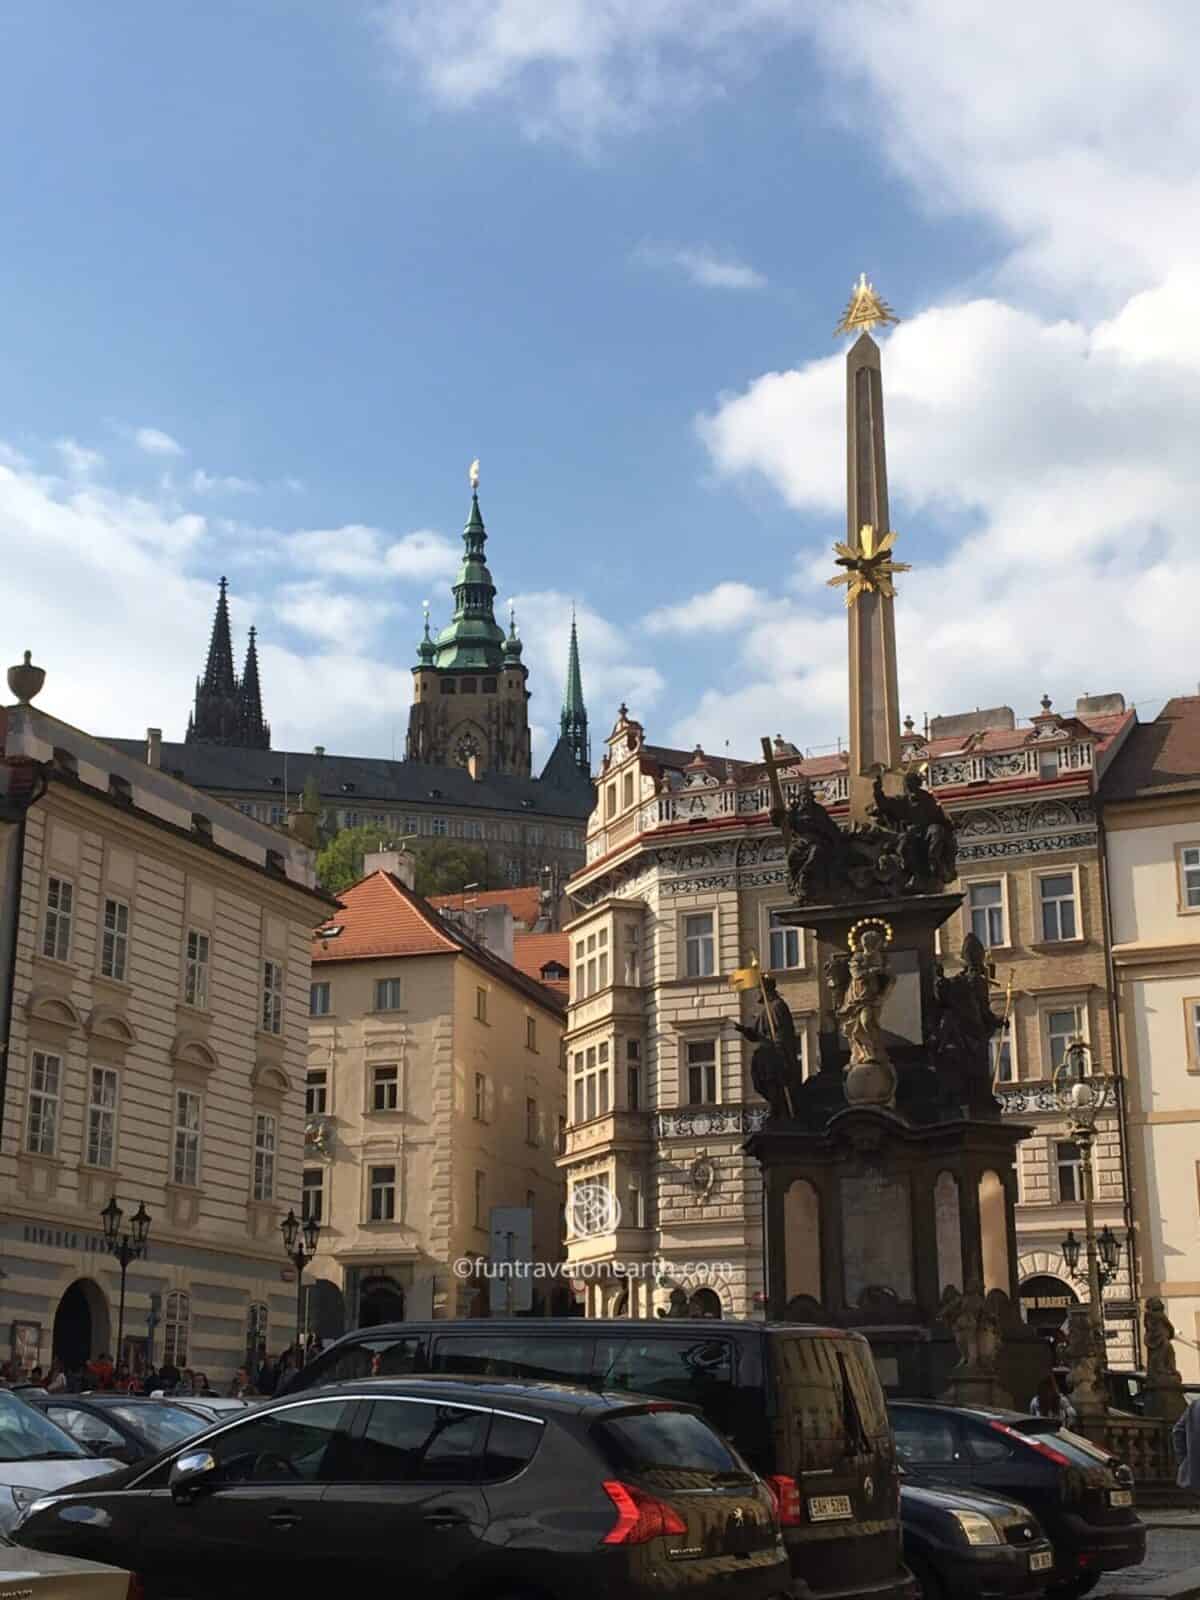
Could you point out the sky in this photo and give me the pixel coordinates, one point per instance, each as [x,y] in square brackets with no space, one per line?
[272,275]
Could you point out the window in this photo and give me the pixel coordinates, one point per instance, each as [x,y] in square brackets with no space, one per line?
[114,943]
[387,994]
[318,1000]
[1189,871]
[591,1085]
[1061,1027]
[439,827]
[633,1074]
[492,1356]
[177,1318]
[1069,1162]
[448,686]
[480,1200]
[264,1156]
[634,1214]
[272,997]
[185,1147]
[481,1097]
[383,1193]
[257,1325]
[481,999]
[102,1117]
[385,1088]
[60,901]
[580,970]
[351,819]
[985,902]
[610,800]
[195,972]
[406,1442]
[488,686]
[602,959]
[925,1438]
[294,1445]
[785,946]
[277,815]
[697,1371]
[1048,764]
[702,1072]
[532,1123]
[312,1194]
[1192,1008]
[89,1429]
[698,945]
[45,1080]
[1003,1060]
[531,1034]
[1058,907]
[316,1092]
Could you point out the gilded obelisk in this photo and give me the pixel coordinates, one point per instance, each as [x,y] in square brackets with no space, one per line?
[870,597]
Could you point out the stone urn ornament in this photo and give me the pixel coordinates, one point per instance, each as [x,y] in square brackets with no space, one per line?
[26,680]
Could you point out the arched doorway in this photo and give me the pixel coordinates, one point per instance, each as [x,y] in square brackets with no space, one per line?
[705,1303]
[82,1328]
[326,1309]
[1045,1302]
[380,1299]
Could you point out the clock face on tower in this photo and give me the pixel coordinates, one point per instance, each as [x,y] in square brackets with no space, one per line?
[466,748]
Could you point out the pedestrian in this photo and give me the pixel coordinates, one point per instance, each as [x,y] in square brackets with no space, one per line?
[1185,1436]
[202,1387]
[99,1371]
[38,1377]
[1050,1402]
[56,1383]
[187,1383]
[266,1379]
[168,1376]
[150,1381]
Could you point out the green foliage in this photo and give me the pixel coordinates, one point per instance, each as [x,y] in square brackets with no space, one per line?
[340,863]
[444,866]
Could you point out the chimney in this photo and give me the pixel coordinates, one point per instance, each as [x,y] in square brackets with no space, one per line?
[473,765]
[495,931]
[154,747]
[318,749]
[401,864]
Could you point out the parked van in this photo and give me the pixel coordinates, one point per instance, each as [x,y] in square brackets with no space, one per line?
[802,1404]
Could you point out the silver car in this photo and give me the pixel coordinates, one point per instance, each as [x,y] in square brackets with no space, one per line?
[38,1458]
[47,1577]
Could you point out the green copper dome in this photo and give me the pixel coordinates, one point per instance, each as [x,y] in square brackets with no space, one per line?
[426,650]
[472,639]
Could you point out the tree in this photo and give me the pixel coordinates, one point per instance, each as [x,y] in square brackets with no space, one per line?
[443,866]
[340,863]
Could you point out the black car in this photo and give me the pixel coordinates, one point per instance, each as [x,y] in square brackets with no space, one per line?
[802,1404]
[1082,1496]
[121,1427]
[964,1542]
[497,1491]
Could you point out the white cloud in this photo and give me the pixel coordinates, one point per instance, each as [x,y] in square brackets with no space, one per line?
[423,554]
[346,620]
[79,461]
[156,443]
[724,606]
[706,268]
[357,551]
[206,483]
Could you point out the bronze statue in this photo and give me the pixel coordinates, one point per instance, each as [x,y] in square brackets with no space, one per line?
[1161,1366]
[816,846]
[775,1064]
[927,844]
[964,1023]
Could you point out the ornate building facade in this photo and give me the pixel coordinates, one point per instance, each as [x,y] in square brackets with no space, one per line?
[684,877]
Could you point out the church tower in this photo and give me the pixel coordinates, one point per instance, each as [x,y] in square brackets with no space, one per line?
[228,711]
[573,723]
[470,701]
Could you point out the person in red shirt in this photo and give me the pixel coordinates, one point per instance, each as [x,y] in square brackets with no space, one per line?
[99,1371]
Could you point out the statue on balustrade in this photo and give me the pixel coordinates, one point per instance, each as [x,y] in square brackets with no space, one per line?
[775,1064]
[1161,1365]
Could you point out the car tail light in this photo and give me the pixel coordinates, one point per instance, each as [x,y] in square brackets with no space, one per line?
[786,1493]
[1034,1443]
[640,1517]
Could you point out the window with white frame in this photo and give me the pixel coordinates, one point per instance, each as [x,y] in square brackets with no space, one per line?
[439,827]
[382,1184]
[102,1117]
[351,819]
[1063,1024]
[627,790]
[701,1072]
[177,1327]
[480,1200]
[785,946]
[633,1074]
[114,941]
[1189,874]
[45,1089]
[580,969]
[387,994]
[312,1195]
[319,999]
[1003,1059]
[60,913]
[195,970]
[698,946]
[272,997]
[1068,1163]
[385,1087]
[1060,917]
[985,903]
[1048,764]
[316,1092]
[1193,1015]
[264,1156]
[591,1091]
[602,958]
[185,1149]
[277,815]
[634,1213]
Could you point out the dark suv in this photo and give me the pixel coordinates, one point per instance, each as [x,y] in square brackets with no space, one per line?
[802,1404]
[497,1491]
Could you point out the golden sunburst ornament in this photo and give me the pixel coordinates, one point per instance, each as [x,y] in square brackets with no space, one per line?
[865,311]
[870,568]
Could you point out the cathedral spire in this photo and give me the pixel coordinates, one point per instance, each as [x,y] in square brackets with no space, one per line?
[218,672]
[255,732]
[573,723]
[472,639]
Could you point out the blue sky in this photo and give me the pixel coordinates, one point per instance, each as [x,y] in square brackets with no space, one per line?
[273,274]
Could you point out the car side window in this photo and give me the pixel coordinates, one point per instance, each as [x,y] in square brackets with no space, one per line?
[406,1441]
[698,1371]
[373,1358]
[989,1446]
[294,1445]
[568,1360]
[925,1438]
[85,1426]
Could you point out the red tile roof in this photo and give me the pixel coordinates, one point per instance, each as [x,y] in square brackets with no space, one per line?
[524,902]
[1159,757]
[533,951]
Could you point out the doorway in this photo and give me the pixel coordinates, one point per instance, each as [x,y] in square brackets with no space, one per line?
[82,1328]
[380,1299]
[1045,1303]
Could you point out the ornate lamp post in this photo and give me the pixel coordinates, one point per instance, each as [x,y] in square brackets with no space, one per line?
[126,1247]
[300,1246]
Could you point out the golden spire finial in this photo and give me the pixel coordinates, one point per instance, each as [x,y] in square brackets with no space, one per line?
[474,474]
[869,568]
[865,309]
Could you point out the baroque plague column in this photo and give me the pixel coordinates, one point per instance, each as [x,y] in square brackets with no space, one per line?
[889,1176]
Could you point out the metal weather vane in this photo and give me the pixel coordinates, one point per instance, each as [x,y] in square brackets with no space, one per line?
[865,310]
[474,473]
[870,568]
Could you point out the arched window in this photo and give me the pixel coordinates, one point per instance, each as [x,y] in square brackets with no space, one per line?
[256,1332]
[177,1319]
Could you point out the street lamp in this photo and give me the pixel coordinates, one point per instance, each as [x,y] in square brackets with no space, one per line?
[126,1246]
[1082,1094]
[300,1246]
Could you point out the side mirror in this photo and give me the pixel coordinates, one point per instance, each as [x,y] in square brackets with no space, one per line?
[190,1473]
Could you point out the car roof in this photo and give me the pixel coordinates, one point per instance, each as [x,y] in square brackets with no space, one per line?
[536,1394]
[986,1413]
[712,1326]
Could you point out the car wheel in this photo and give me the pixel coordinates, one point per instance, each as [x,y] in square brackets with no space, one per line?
[930,1585]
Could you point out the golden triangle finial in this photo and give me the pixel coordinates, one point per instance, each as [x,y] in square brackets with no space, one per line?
[474,474]
[865,309]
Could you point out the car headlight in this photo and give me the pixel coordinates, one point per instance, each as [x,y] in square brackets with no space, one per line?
[976,1528]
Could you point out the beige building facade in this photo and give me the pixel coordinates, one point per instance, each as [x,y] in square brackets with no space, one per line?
[154,946]
[435,1101]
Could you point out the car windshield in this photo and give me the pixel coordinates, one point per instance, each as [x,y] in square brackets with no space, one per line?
[26,1435]
[160,1426]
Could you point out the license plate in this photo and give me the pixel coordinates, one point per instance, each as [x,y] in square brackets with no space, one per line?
[827,1507]
[1041,1561]
[1120,1497]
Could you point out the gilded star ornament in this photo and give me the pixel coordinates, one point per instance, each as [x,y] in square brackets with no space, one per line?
[870,568]
[865,310]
